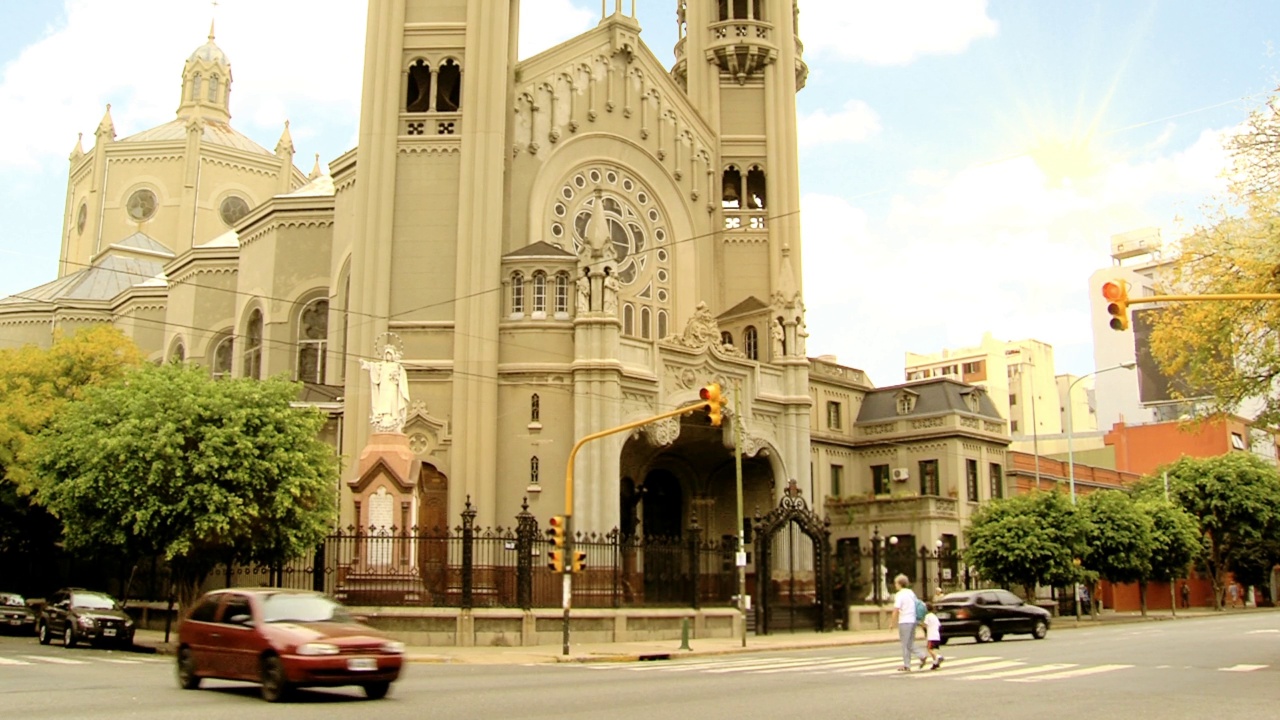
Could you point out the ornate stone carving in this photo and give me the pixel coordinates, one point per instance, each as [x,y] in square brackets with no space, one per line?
[389,391]
[701,330]
[663,432]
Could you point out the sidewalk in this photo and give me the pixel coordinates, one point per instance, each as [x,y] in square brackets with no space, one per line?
[152,641]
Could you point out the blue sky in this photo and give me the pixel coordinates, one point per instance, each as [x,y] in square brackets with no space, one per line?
[963,162]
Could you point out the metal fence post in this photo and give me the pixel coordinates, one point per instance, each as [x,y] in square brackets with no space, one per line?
[877,545]
[526,531]
[615,543]
[468,551]
[695,535]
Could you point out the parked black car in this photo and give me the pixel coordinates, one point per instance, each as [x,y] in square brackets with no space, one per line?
[987,615]
[76,615]
[15,616]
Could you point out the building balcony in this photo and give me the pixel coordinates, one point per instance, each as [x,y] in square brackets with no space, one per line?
[883,508]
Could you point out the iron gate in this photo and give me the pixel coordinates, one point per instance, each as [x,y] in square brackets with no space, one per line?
[793,594]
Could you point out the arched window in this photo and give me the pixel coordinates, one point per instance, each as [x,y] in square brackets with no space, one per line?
[313,334]
[253,346]
[662,324]
[535,408]
[418,95]
[731,189]
[629,320]
[195,87]
[646,320]
[517,294]
[755,188]
[562,293]
[179,353]
[213,89]
[750,343]
[449,87]
[724,10]
[533,470]
[540,292]
[222,354]
[726,338]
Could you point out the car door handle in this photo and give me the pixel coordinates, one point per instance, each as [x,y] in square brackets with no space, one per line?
[216,635]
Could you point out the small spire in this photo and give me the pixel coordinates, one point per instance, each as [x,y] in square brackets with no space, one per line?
[285,146]
[107,127]
[211,31]
[315,169]
[78,151]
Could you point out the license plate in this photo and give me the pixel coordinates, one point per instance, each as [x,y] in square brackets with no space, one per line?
[944,616]
[108,632]
[362,664]
[15,621]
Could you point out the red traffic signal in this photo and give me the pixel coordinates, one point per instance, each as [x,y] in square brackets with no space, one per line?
[1117,297]
[710,393]
[556,531]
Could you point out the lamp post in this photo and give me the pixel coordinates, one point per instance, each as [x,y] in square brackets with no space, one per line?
[1071,458]
[1035,426]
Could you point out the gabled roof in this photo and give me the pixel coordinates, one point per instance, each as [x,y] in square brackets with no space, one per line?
[110,275]
[215,132]
[146,243]
[933,397]
[752,304]
[540,249]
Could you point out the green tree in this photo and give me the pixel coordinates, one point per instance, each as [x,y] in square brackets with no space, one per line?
[1117,539]
[170,462]
[1175,540]
[1235,499]
[34,383]
[1025,541]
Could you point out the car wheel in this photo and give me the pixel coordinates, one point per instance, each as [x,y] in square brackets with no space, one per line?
[68,637]
[274,685]
[1040,630]
[984,634]
[943,641]
[187,678]
[377,690]
[43,632]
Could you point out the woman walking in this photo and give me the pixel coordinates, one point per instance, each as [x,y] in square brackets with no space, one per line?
[905,603]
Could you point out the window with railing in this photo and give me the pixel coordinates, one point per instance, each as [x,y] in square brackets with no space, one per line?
[971,475]
[880,479]
[928,477]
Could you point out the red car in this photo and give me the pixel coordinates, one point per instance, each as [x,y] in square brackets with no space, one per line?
[283,639]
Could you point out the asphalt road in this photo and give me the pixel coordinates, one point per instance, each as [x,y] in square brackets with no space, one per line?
[1225,666]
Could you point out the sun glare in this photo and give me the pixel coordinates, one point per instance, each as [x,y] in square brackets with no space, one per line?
[1065,161]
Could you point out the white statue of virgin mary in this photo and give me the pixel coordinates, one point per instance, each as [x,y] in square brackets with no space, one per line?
[389,396]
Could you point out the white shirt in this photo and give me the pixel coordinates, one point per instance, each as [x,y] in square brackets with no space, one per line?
[905,603]
[932,627]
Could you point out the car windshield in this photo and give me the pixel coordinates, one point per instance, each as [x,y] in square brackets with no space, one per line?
[12,600]
[282,607]
[957,598]
[93,601]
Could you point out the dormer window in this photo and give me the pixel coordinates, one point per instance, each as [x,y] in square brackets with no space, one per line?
[906,403]
[973,400]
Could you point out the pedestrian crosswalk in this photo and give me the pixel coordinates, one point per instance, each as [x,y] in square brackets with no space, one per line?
[83,659]
[969,669]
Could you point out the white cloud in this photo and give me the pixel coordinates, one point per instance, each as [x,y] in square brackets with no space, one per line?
[856,122]
[546,23]
[893,33]
[999,248]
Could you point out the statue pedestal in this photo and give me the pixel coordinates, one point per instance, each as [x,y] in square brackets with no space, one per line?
[382,564]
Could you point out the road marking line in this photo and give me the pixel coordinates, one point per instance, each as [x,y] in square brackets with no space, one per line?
[1260,632]
[12,661]
[1021,671]
[665,666]
[858,667]
[760,666]
[119,661]
[823,666]
[945,669]
[947,664]
[1072,673]
[1242,668]
[55,660]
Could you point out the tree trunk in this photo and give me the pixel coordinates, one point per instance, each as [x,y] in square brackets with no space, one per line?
[1142,596]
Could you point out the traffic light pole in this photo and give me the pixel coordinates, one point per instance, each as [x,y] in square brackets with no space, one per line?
[568,498]
[740,558]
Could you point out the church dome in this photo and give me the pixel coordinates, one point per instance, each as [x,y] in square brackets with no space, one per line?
[209,53]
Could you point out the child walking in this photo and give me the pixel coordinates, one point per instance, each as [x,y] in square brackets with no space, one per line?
[933,637]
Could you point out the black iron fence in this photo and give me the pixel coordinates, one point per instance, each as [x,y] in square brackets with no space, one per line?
[865,572]
[470,567]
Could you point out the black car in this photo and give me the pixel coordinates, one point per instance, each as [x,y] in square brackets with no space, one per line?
[77,615]
[987,615]
[15,616]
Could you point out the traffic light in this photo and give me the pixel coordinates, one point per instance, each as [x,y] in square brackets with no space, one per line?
[711,394]
[1117,297]
[555,557]
[579,561]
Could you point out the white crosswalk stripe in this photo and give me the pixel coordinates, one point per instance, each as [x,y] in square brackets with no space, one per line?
[1242,668]
[119,661]
[54,660]
[980,668]
[12,661]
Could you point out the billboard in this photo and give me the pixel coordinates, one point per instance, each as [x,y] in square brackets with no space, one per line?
[1154,387]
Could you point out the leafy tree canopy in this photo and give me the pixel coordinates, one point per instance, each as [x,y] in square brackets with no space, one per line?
[1118,540]
[1026,540]
[1235,499]
[168,461]
[1226,350]
[1175,538]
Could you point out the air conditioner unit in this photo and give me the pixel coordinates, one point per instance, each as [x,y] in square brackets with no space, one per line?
[900,475]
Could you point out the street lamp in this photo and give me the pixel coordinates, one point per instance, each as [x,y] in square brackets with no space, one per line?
[1071,459]
[1035,427]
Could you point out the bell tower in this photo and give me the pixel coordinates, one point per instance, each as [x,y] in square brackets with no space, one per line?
[740,64]
[430,215]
